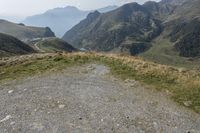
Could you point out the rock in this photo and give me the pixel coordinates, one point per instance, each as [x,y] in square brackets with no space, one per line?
[61,106]
[192,131]
[6,118]
[10,91]
[187,103]
[12,123]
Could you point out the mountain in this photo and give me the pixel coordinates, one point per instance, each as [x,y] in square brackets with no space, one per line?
[182,27]
[51,44]
[107,9]
[61,20]
[11,46]
[129,28]
[23,32]
[168,28]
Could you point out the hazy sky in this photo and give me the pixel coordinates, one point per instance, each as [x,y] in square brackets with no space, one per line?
[22,8]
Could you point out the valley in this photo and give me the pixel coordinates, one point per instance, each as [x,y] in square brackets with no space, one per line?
[130,67]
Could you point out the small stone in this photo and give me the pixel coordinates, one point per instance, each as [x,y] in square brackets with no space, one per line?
[61,106]
[6,118]
[118,125]
[155,124]
[101,120]
[191,131]
[12,123]
[10,91]
[187,103]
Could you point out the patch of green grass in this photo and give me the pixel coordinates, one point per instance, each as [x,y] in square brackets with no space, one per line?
[162,51]
[36,66]
[181,92]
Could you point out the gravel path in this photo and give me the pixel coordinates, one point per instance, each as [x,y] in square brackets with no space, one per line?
[88,100]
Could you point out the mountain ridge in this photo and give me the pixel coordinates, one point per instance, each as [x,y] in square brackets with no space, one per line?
[10,46]
[24,32]
[115,25]
[61,19]
[133,27]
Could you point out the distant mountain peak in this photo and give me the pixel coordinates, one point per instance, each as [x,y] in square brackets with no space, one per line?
[132,7]
[62,19]
[174,2]
[71,7]
[107,8]
[94,14]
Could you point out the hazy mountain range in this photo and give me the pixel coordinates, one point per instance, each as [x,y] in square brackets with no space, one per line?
[61,20]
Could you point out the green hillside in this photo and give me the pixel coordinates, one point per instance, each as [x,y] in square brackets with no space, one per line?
[23,32]
[165,32]
[52,45]
[11,46]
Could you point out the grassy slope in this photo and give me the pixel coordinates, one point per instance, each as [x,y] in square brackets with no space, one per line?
[54,45]
[23,32]
[162,51]
[183,85]
[12,46]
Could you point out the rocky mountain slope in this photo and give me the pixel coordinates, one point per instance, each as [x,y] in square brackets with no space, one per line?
[12,46]
[133,28]
[129,27]
[23,32]
[61,20]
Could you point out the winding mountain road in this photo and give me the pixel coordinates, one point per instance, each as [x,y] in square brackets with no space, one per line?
[87,99]
[38,48]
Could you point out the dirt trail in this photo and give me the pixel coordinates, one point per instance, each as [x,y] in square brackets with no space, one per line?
[37,48]
[88,100]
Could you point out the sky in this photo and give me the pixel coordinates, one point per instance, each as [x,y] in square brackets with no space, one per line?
[22,8]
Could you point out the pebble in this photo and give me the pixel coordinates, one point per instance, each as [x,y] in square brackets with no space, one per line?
[12,123]
[61,106]
[187,103]
[6,118]
[10,91]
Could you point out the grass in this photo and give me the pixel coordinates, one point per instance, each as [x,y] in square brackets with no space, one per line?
[36,66]
[183,84]
[162,51]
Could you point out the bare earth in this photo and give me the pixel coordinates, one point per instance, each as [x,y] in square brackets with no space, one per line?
[88,100]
